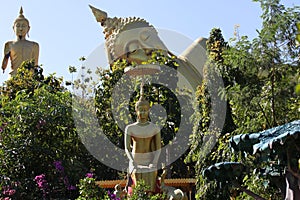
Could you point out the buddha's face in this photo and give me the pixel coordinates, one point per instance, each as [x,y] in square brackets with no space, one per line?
[136,45]
[142,112]
[21,28]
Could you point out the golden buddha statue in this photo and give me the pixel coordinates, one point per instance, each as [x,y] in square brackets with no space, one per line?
[129,38]
[143,146]
[21,49]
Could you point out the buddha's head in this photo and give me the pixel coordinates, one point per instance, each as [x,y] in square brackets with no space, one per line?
[130,38]
[142,108]
[21,25]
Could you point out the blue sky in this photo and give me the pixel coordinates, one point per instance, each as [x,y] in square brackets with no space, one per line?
[67,29]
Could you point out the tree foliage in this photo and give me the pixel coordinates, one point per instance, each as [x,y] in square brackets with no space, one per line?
[113,117]
[41,154]
[260,77]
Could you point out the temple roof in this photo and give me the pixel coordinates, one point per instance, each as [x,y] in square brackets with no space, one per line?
[267,141]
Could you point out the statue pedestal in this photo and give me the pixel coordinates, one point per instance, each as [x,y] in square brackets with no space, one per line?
[187,184]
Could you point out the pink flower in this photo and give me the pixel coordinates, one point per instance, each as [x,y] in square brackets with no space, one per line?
[89,175]
[41,181]
[11,192]
[8,191]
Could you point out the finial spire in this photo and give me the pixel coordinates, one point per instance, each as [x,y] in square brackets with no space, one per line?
[21,13]
[21,16]
[100,15]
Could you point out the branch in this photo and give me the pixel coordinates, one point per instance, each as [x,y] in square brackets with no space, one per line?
[297,175]
[262,110]
[273,79]
[249,192]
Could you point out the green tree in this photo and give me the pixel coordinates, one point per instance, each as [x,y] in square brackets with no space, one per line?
[163,95]
[208,95]
[260,78]
[267,71]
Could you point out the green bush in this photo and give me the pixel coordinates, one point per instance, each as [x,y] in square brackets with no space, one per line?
[41,155]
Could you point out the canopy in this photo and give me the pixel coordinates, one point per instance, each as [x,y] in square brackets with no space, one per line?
[270,140]
[225,171]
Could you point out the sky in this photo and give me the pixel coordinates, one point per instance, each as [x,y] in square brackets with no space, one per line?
[67,30]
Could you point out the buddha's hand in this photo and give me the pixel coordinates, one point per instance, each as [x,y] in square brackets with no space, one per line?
[4,64]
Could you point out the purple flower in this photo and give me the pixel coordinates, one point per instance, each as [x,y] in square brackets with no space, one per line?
[58,166]
[71,187]
[112,196]
[40,123]
[89,175]
[66,181]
